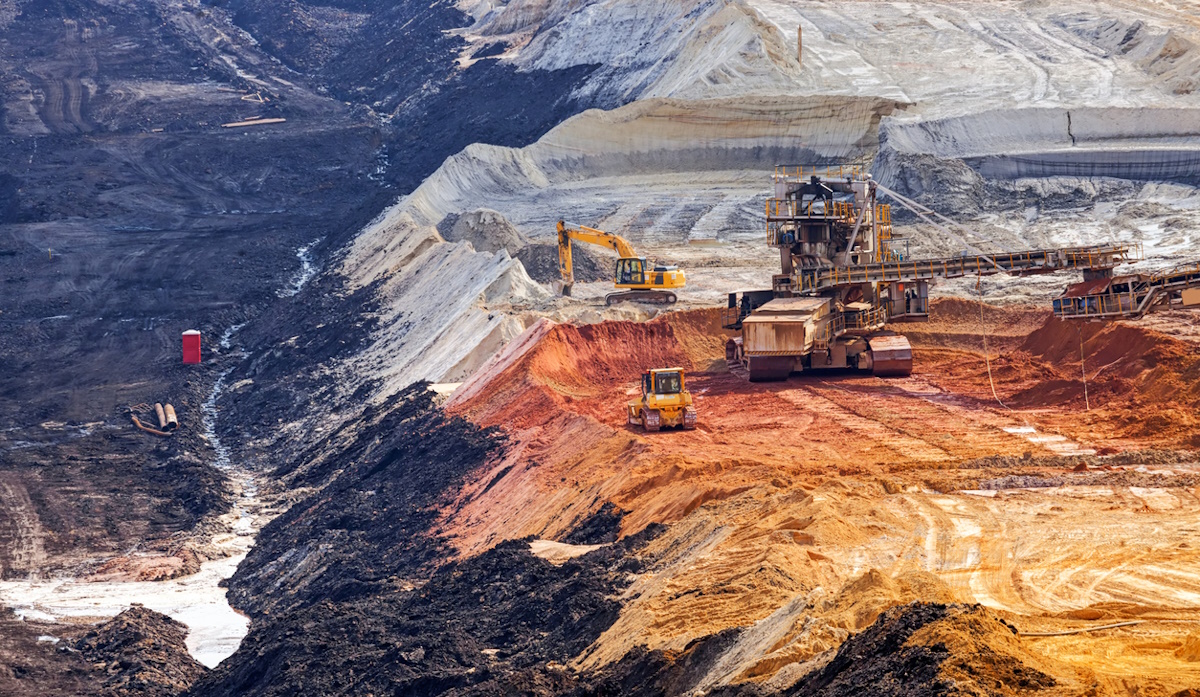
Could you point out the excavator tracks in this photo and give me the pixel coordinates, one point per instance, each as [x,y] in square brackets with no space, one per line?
[653,297]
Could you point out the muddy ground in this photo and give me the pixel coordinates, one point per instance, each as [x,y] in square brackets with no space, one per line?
[130,215]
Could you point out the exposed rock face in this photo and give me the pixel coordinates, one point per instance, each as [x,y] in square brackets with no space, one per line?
[1042,143]
[541,263]
[140,653]
[486,230]
[654,139]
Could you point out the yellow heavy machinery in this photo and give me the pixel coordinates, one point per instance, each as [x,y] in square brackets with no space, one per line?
[641,281]
[665,401]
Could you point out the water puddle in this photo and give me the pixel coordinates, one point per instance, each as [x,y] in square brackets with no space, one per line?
[1059,445]
[214,628]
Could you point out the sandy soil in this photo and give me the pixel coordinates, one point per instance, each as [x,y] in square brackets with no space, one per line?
[803,509]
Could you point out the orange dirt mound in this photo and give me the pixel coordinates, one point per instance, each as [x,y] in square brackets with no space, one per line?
[559,364]
[560,390]
[701,337]
[1146,380]
[1141,383]
[959,324]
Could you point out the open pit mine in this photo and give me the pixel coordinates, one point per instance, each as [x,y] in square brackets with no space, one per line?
[650,348]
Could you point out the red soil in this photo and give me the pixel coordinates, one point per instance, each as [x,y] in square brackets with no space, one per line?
[785,488]
[560,391]
[1141,383]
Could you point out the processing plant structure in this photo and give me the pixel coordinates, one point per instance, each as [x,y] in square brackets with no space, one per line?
[844,278]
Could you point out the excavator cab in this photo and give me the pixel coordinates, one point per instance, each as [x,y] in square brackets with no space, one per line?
[631,272]
[665,401]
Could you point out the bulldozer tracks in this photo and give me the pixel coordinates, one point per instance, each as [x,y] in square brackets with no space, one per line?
[64,95]
[26,552]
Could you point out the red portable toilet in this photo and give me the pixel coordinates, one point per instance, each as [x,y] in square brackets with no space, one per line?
[191,346]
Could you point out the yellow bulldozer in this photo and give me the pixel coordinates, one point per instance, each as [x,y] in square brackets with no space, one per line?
[665,401]
[641,281]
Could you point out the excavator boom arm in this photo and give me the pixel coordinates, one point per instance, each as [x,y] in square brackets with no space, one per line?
[583,233]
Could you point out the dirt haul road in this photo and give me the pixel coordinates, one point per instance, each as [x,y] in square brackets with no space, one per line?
[801,510]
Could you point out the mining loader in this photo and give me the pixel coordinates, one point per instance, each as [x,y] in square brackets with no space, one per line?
[665,401]
[642,282]
[844,280]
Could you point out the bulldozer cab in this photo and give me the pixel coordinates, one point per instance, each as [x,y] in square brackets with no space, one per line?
[663,382]
[631,271]
[665,402]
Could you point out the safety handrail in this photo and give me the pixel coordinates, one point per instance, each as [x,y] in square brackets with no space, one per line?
[1183,272]
[799,172]
[829,330]
[867,319]
[1034,261]
[791,208]
[1127,304]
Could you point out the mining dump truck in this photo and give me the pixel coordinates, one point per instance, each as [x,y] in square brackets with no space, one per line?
[844,279]
[665,401]
[638,280]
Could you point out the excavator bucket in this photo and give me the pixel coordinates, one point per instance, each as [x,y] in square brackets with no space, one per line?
[891,355]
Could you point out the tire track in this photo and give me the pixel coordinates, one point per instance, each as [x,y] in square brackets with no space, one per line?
[1034,555]
[27,552]
[64,95]
[873,431]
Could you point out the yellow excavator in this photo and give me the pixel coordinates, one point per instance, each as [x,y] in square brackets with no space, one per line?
[665,401]
[642,282]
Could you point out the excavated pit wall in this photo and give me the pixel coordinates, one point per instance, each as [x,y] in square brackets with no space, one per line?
[1137,144]
[653,138]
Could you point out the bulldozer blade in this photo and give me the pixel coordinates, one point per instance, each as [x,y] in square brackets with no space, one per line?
[891,355]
